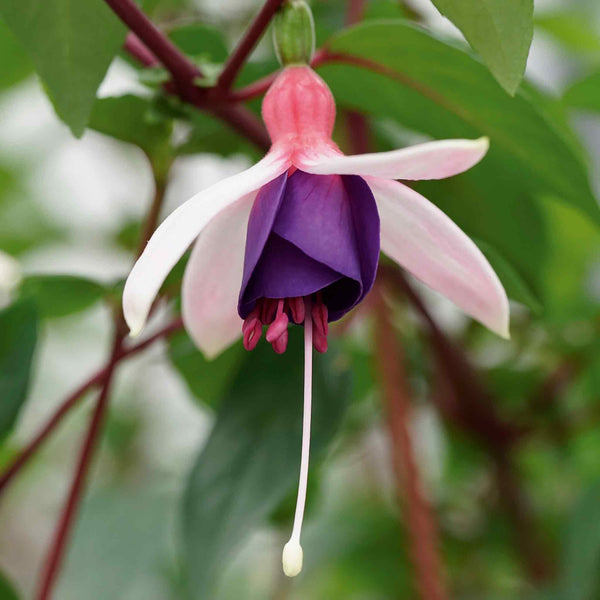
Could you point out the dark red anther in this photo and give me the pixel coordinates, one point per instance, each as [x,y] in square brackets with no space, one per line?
[319,341]
[319,317]
[268,310]
[277,327]
[252,335]
[298,309]
[280,344]
[250,321]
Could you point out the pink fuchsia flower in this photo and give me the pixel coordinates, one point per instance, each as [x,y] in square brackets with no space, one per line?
[297,238]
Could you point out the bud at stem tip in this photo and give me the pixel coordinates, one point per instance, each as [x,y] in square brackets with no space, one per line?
[294,33]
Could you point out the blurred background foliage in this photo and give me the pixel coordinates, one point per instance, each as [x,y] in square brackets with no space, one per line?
[193,492]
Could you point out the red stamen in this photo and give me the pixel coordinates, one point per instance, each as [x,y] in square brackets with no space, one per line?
[277,327]
[252,335]
[280,344]
[297,309]
[276,314]
[319,341]
[250,321]
[320,315]
[269,310]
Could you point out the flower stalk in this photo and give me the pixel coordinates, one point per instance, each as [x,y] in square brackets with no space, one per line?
[422,531]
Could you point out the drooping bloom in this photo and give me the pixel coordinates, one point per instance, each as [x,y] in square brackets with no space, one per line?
[296,238]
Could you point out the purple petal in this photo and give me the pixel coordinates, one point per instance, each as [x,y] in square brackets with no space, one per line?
[312,233]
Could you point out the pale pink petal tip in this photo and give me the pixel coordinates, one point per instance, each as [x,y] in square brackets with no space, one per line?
[177,232]
[212,279]
[423,240]
[432,160]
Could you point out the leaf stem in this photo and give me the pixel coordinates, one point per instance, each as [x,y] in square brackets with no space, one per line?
[465,402]
[239,56]
[67,519]
[184,71]
[424,543]
[96,379]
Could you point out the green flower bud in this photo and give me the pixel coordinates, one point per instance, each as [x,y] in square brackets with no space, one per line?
[294,33]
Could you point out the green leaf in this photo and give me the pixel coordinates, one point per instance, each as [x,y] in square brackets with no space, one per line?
[572,30]
[61,295]
[122,547]
[7,591]
[568,275]
[585,93]
[252,456]
[18,66]
[499,30]
[433,87]
[580,571]
[129,119]
[206,379]
[211,136]
[200,41]
[71,44]
[515,286]
[154,77]
[18,336]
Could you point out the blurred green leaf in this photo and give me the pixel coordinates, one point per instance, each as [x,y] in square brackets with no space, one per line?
[357,550]
[71,44]
[61,295]
[499,30]
[129,119]
[436,88]
[585,93]
[572,29]
[580,570]
[24,224]
[201,42]
[252,456]
[154,77]
[7,592]
[122,547]
[515,286]
[18,66]
[208,135]
[18,336]
[206,379]
[567,274]
[383,9]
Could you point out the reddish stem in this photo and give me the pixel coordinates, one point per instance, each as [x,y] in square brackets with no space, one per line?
[355,12]
[252,91]
[237,117]
[67,519]
[20,461]
[424,544]
[184,72]
[246,44]
[98,378]
[139,51]
[240,119]
[464,401]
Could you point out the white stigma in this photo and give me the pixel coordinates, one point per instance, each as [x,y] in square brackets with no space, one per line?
[292,551]
[292,558]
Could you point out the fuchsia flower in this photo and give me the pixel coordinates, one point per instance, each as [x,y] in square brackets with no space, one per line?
[297,238]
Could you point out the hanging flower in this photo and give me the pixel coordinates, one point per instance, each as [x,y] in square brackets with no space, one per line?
[306,223]
[297,237]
